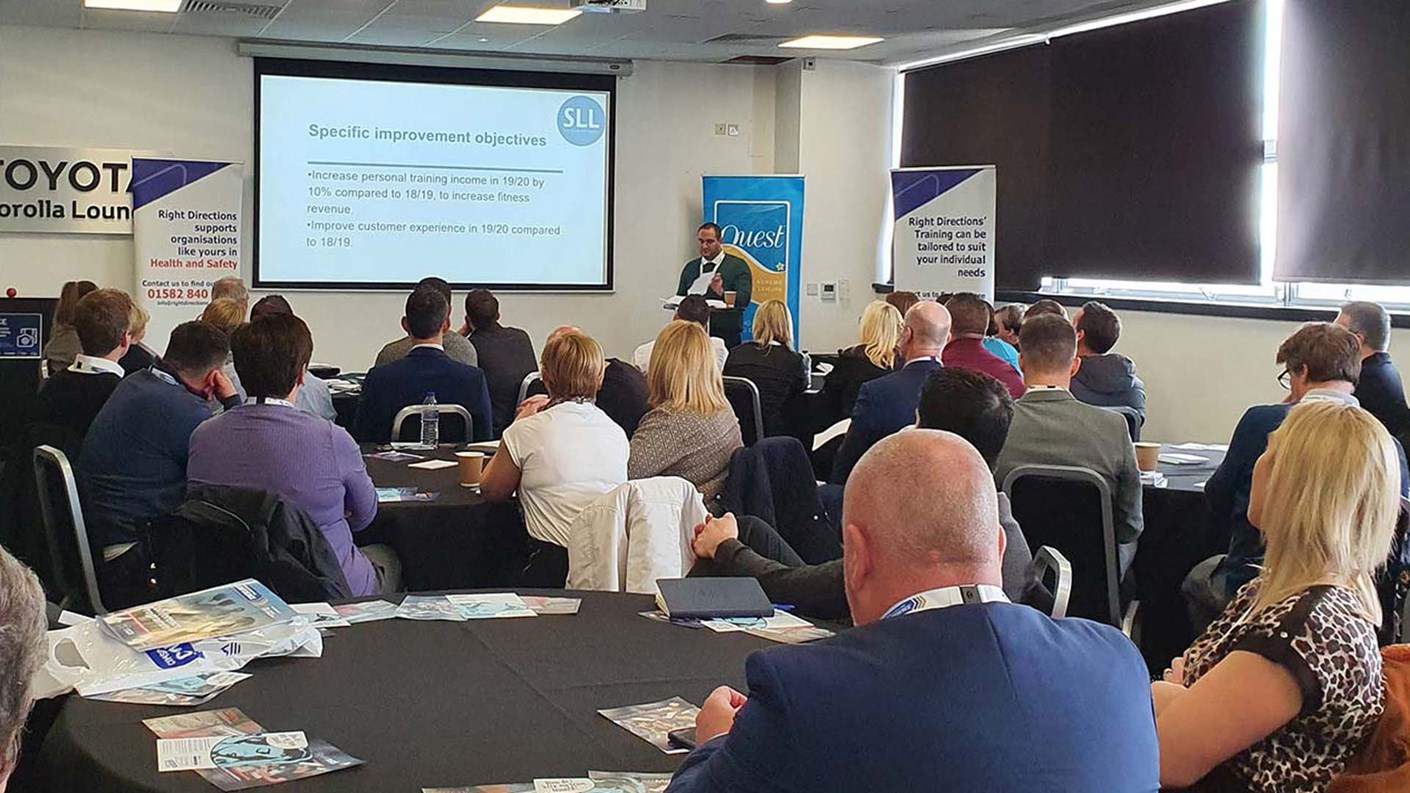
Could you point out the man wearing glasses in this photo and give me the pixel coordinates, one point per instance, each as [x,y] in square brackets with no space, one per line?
[719,276]
[1319,361]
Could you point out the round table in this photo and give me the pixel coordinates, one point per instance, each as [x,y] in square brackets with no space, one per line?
[436,704]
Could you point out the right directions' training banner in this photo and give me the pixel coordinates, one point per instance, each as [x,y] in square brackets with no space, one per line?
[944,233]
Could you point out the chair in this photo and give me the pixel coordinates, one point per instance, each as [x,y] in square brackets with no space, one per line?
[442,410]
[67,534]
[1052,599]
[533,384]
[635,534]
[1070,509]
[1134,420]
[1393,583]
[743,396]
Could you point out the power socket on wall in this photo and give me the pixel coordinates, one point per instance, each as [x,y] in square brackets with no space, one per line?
[727,129]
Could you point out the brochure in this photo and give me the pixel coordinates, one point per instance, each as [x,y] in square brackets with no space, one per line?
[184,692]
[547,605]
[212,613]
[495,605]
[654,721]
[245,756]
[367,611]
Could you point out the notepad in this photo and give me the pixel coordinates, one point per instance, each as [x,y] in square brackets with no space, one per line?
[712,598]
[433,465]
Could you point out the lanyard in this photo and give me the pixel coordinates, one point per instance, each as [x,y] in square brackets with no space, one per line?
[945,597]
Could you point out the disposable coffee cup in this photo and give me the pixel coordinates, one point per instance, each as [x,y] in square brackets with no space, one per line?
[472,465]
[1147,456]
[730,297]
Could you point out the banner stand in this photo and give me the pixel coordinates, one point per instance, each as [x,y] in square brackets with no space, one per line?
[944,232]
[761,222]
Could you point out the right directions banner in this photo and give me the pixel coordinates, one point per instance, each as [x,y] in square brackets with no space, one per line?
[944,233]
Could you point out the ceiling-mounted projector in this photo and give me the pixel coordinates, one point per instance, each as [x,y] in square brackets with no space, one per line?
[610,6]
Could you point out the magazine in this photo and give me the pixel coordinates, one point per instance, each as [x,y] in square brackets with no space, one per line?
[654,721]
[490,606]
[209,614]
[249,756]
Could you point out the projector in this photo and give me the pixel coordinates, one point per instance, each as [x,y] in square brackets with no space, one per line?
[610,6]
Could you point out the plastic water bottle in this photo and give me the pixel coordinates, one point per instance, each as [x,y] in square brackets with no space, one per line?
[430,422]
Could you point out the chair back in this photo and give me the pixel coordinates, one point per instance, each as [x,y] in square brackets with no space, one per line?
[1051,590]
[1383,763]
[1133,417]
[66,533]
[1070,509]
[533,384]
[635,534]
[467,426]
[743,396]
[1393,583]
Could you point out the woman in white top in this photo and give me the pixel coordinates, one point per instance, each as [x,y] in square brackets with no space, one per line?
[561,452]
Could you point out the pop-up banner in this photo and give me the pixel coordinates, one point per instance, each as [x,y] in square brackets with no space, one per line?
[186,233]
[944,234]
[761,222]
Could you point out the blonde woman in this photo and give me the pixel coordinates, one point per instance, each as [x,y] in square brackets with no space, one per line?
[227,314]
[1285,686]
[771,363]
[690,431]
[875,356]
[139,356]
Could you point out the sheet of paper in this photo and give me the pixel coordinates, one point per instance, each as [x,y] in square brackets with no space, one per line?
[428,607]
[791,635]
[434,465]
[653,722]
[547,605]
[224,722]
[323,615]
[1171,458]
[488,447]
[835,431]
[563,785]
[186,754]
[650,783]
[394,457]
[368,611]
[781,620]
[495,605]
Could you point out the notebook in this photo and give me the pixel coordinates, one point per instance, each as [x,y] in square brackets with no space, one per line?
[712,598]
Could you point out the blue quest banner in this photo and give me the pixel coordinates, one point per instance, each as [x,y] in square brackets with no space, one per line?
[761,222]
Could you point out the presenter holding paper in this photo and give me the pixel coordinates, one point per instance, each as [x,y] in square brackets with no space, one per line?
[718,276]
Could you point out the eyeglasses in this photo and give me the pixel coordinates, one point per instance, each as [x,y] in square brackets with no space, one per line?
[1285,380]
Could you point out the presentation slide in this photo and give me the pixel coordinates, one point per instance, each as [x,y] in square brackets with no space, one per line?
[369,183]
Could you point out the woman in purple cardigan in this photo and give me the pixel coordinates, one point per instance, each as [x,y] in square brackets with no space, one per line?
[268,444]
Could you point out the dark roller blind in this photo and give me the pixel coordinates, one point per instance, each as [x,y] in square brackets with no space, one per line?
[989,110]
[1344,142]
[1156,148]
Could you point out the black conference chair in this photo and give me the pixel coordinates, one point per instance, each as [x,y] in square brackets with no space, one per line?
[67,534]
[532,385]
[1134,420]
[743,396]
[1070,510]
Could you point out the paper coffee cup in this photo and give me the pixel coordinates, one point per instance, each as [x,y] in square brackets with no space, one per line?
[1147,456]
[730,297]
[472,465]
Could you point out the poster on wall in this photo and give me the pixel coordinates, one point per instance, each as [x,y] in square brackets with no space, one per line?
[186,233]
[65,191]
[944,234]
[761,222]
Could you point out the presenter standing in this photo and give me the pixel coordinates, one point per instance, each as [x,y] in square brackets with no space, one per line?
[718,276]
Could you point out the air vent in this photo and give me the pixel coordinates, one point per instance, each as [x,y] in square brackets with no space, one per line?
[217,7]
[758,60]
[743,38]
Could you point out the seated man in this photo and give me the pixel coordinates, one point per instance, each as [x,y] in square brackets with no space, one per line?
[1050,427]
[1380,390]
[72,398]
[506,355]
[22,652]
[1105,379]
[692,308]
[133,463]
[426,369]
[1320,361]
[314,396]
[970,316]
[232,287]
[456,346]
[944,684]
[623,393]
[888,403]
[972,405]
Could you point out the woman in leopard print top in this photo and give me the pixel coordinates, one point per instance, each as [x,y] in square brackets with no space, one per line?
[1282,689]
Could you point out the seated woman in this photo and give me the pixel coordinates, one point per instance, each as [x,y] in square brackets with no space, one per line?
[873,357]
[1282,689]
[691,430]
[561,451]
[314,465]
[770,363]
[139,356]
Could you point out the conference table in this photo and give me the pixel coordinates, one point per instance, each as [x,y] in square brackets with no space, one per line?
[436,704]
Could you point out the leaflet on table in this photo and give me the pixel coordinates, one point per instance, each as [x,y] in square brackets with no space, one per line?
[597,782]
[781,620]
[1201,447]
[458,608]
[321,615]
[393,495]
[654,721]
[366,611]
[219,611]
[811,633]
[182,692]
[393,457]
[247,756]
[434,465]
[548,605]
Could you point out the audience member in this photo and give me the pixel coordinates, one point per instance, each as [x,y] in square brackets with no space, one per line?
[225,314]
[1038,309]
[996,345]
[972,405]
[72,398]
[1320,362]
[969,316]
[232,288]
[133,464]
[313,396]
[1007,322]
[1379,390]
[1286,686]
[63,346]
[692,308]
[456,346]
[1105,379]
[139,356]
[1050,427]
[22,652]
[623,396]
[771,364]
[1056,705]
[902,301]
[887,404]
[314,465]
[506,355]
[691,431]
[561,452]
[873,357]
[425,369]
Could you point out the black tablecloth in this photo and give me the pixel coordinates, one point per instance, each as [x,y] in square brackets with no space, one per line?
[436,703]
[457,541]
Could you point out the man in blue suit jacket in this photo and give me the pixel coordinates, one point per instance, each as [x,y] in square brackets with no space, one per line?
[426,369]
[888,403]
[944,685]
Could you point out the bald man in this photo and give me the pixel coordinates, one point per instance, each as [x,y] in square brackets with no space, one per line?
[888,403]
[623,394]
[944,683]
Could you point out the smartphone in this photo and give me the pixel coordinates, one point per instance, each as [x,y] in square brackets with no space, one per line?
[682,738]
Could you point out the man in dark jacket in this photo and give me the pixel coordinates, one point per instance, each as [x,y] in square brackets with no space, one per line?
[1379,390]
[1106,379]
[506,355]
